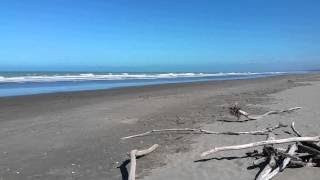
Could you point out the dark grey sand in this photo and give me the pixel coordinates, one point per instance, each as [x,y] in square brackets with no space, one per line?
[77,135]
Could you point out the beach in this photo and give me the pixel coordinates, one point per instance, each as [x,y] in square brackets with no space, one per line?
[76,135]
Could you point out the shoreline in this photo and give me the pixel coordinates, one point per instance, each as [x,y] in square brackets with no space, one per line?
[150,86]
[79,132]
[164,83]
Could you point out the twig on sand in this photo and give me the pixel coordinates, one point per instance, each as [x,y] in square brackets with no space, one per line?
[261,143]
[203,131]
[135,153]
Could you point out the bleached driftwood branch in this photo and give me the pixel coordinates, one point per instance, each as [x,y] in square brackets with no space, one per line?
[261,143]
[284,164]
[268,113]
[238,112]
[285,154]
[203,131]
[310,147]
[301,164]
[295,130]
[136,153]
[271,161]
[268,168]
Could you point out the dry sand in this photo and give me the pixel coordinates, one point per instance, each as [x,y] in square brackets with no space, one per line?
[235,164]
[77,135]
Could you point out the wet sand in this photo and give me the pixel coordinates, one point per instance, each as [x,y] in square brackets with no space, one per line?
[77,135]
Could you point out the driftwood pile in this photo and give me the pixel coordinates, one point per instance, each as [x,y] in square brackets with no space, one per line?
[302,151]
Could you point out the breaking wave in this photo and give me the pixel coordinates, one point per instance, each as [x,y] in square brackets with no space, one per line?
[120,76]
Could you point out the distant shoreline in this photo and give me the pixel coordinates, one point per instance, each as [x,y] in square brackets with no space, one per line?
[137,87]
[32,84]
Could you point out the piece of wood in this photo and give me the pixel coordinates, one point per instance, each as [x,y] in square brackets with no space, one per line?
[132,174]
[248,116]
[295,164]
[301,154]
[136,153]
[285,154]
[310,144]
[309,149]
[147,151]
[259,161]
[203,131]
[295,130]
[261,143]
[268,168]
[283,165]
[271,160]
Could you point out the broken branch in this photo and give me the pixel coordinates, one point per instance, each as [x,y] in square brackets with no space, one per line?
[203,131]
[294,130]
[313,146]
[262,143]
[284,164]
[238,112]
[271,161]
[135,153]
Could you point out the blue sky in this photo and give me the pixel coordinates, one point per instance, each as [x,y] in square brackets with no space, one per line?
[166,35]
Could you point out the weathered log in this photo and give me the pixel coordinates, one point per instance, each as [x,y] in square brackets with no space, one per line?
[136,153]
[203,131]
[261,143]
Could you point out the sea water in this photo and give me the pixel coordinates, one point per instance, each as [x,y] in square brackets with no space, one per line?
[27,83]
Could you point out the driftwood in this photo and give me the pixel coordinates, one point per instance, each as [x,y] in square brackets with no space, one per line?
[259,161]
[268,168]
[313,146]
[136,153]
[271,161]
[294,130]
[285,154]
[238,112]
[261,143]
[203,131]
[297,164]
[283,165]
[305,152]
[309,149]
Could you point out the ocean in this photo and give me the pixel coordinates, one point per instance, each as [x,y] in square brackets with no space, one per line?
[28,83]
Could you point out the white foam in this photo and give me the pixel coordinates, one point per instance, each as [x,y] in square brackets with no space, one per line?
[120,76]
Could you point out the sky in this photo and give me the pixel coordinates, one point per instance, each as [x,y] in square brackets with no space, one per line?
[159,35]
